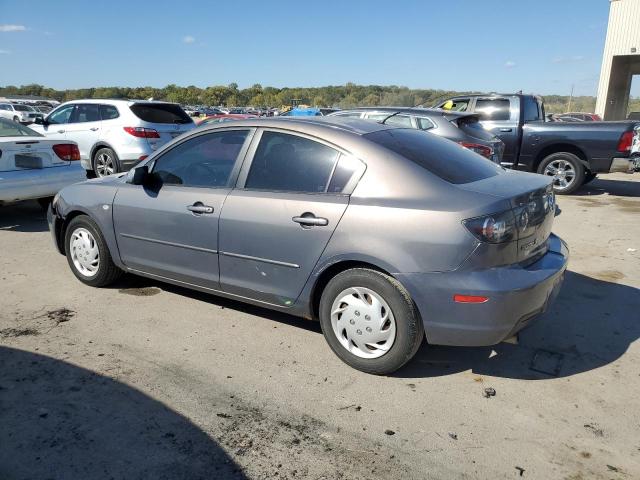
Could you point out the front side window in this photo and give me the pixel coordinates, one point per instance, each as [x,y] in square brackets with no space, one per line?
[291,163]
[493,108]
[61,116]
[203,161]
[86,112]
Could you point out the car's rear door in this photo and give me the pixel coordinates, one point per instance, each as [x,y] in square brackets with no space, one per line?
[169,227]
[276,224]
[84,127]
[501,116]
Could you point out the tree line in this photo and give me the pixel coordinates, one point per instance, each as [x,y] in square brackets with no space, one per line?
[341,96]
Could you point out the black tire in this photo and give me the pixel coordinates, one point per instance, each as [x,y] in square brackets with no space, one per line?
[589,177]
[108,152]
[409,327]
[107,272]
[575,163]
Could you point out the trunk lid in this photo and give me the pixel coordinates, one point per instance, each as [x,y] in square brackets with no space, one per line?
[20,153]
[533,205]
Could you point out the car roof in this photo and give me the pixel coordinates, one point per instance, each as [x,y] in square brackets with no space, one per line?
[116,101]
[308,124]
[411,110]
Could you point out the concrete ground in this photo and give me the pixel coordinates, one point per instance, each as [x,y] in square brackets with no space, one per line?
[146,380]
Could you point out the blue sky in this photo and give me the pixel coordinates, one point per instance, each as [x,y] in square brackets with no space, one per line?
[492,45]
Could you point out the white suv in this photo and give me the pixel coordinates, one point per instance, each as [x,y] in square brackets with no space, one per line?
[19,113]
[114,135]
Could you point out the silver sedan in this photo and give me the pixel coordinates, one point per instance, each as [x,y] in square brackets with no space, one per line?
[383,234]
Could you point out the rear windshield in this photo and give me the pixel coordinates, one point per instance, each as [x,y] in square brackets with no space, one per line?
[160,113]
[441,157]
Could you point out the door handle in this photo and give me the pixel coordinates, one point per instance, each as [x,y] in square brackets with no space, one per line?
[60,131]
[200,208]
[506,129]
[93,129]
[308,219]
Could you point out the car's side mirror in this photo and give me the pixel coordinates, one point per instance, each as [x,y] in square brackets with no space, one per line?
[138,176]
[40,121]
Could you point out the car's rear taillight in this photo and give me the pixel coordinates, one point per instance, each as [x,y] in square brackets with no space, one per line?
[496,228]
[625,142]
[67,151]
[483,150]
[142,132]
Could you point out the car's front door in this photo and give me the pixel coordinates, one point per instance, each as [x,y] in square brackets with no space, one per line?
[56,123]
[276,224]
[84,127]
[169,227]
[499,115]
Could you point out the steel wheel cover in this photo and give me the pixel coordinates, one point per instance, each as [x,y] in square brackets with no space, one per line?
[563,174]
[84,252]
[104,165]
[363,323]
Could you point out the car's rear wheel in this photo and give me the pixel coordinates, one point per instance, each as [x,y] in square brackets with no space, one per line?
[370,321]
[105,162]
[566,170]
[87,253]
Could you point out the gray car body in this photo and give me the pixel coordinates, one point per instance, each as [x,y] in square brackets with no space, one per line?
[394,216]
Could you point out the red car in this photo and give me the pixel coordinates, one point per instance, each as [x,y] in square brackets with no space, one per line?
[226,117]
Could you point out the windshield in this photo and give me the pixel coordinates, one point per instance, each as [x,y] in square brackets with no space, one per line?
[441,157]
[160,113]
[9,128]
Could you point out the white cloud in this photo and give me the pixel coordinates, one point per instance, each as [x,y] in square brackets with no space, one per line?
[188,39]
[4,52]
[510,64]
[12,28]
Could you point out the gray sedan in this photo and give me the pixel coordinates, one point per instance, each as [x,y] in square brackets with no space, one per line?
[383,234]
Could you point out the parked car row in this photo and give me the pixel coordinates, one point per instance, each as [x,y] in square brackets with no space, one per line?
[19,112]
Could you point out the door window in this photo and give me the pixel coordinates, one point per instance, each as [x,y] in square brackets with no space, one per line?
[493,108]
[403,121]
[85,112]
[108,112]
[203,161]
[424,123]
[61,116]
[290,163]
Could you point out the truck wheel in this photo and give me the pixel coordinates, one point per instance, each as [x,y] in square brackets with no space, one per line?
[566,170]
[370,321]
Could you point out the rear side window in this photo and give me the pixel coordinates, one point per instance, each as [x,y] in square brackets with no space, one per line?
[532,111]
[86,112]
[203,161]
[493,108]
[160,113]
[108,112]
[343,172]
[290,163]
[441,157]
[424,123]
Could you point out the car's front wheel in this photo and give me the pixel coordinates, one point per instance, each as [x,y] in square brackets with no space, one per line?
[105,162]
[87,253]
[370,321]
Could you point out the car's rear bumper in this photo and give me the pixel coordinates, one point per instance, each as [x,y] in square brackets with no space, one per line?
[28,184]
[516,294]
